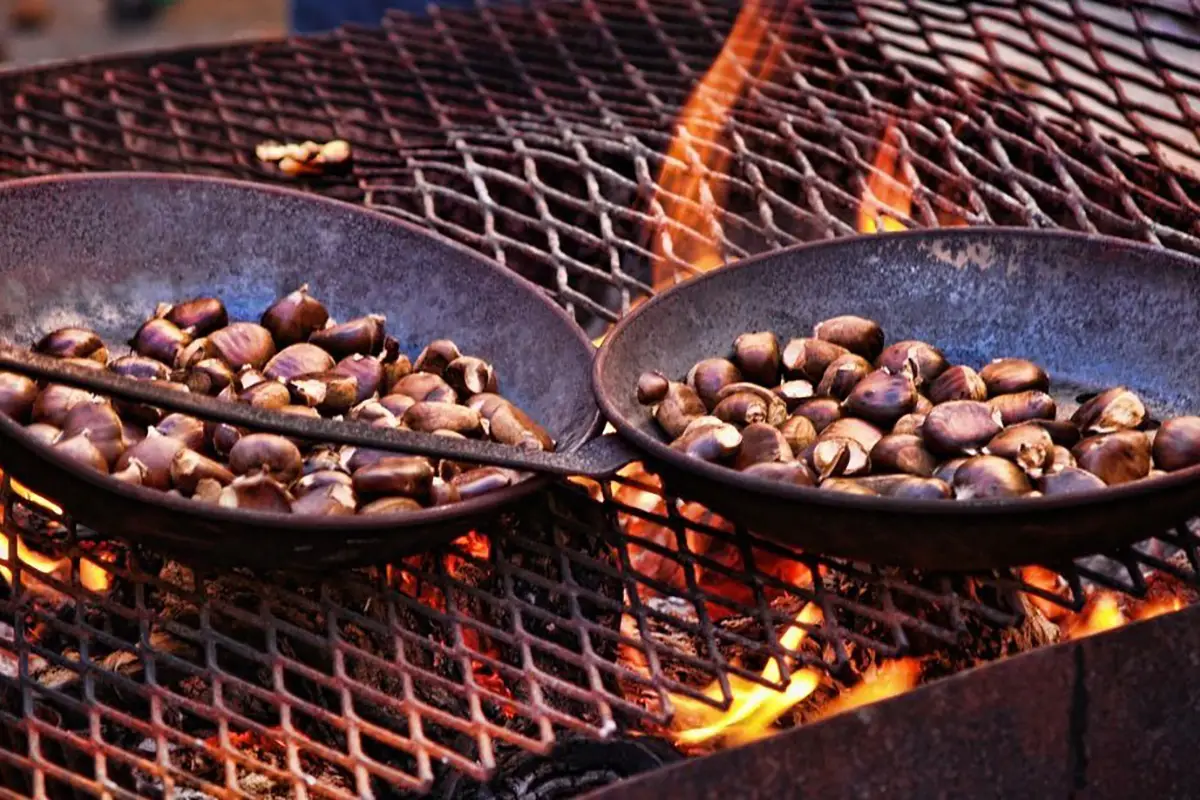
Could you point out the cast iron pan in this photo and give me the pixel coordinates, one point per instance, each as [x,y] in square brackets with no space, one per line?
[1095,312]
[101,251]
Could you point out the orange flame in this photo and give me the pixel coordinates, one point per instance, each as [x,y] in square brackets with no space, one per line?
[887,192]
[888,680]
[690,190]
[754,708]
[1103,614]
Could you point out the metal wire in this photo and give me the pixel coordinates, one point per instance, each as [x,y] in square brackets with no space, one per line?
[536,135]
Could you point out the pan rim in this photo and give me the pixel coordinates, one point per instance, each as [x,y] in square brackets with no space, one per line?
[969,509]
[349,526]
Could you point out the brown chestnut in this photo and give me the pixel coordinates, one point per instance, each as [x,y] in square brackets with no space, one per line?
[222,437]
[408,476]
[1177,444]
[161,340]
[741,408]
[46,434]
[428,417]
[1061,458]
[709,442]
[194,352]
[328,501]
[908,487]
[651,388]
[319,479]
[80,449]
[469,375]
[839,458]
[679,407]
[1028,445]
[960,427]
[140,368]
[436,356]
[1112,410]
[796,473]
[909,423]
[923,405]
[1061,431]
[56,401]
[476,482]
[393,370]
[510,425]
[929,361]
[17,396]
[1115,458]
[1013,375]
[957,383]
[199,317]
[1068,480]
[208,377]
[294,318]
[710,376]
[902,452]
[367,370]
[859,430]
[809,358]
[842,375]
[820,411]
[259,492]
[882,397]
[1023,406]
[266,452]
[329,392]
[73,343]
[155,453]
[989,478]
[266,394]
[945,471]
[757,356]
[242,344]
[425,386]
[861,336]
[848,486]
[762,443]
[391,505]
[775,408]
[795,392]
[799,432]
[363,335]
[371,410]
[397,404]
[188,430]
[98,421]
[323,458]
[298,359]
[188,468]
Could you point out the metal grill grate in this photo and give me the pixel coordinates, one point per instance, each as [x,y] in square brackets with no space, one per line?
[535,135]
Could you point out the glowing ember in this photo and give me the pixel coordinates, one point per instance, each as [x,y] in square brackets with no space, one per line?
[1158,608]
[36,499]
[1102,614]
[754,708]
[691,179]
[888,680]
[887,193]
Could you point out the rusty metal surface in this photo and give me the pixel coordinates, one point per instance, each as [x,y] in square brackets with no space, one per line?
[535,135]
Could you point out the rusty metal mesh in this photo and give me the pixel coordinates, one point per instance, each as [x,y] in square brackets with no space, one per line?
[536,135]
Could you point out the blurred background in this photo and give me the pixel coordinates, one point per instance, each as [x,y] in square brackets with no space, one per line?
[40,30]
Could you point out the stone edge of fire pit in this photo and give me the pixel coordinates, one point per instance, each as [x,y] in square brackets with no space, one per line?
[1111,715]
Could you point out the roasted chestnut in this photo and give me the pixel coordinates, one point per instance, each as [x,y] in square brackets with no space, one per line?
[809,358]
[960,427]
[1028,445]
[842,375]
[295,317]
[929,361]
[98,421]
[208,376]
[761,443]
[859,430]
[397,404]
[194,352]
[839,458]
[989,478]
[799,432]
[848,486]
[709,377]
[1112,410]
[757,356]
[1061,458]
[155,454]
[266,394]
[80,449]
[902,452]
[161,340]
[330,500]
[510,425]
[188,468]
[258,492]
[882,397]
[391,505]
[958,383]
[945,471]
[407,476]
[1177,444]
[140,368]
[1024,406]
[296,360]
[363,335]
[861,336]
[367,370]
[266,452]
[679,406]
[320,478]
[483,480]
[1013,375]
[428,417]
[329,392]
[793,393]
[188,430]
[1115,458]
[17,396]
[73,343]
[198,317]
[56,401]
[795,473]
[1068,480]
[909,423]
[907,487]
[820,411]
[46,434]
[651,388]
[243,344]
[425,386]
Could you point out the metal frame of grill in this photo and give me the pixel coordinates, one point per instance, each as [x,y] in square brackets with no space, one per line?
[534,135]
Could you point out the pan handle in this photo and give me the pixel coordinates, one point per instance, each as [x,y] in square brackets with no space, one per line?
[603,456]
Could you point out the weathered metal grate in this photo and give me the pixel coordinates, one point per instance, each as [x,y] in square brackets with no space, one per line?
[536,135]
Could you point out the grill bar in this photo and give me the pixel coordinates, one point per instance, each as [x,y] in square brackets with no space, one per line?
[536,135]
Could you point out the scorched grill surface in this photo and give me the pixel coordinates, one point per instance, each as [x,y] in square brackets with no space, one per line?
[535,135]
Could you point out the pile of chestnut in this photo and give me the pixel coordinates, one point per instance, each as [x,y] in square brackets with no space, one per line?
[296,360]
[841,411]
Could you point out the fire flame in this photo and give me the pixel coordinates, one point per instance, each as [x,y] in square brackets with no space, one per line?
[887,192]
[91,574]
[690,190]
[754,708]
[887,680]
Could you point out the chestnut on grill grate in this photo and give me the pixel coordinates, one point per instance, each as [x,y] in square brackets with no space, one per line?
[298,360]
[908,424]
